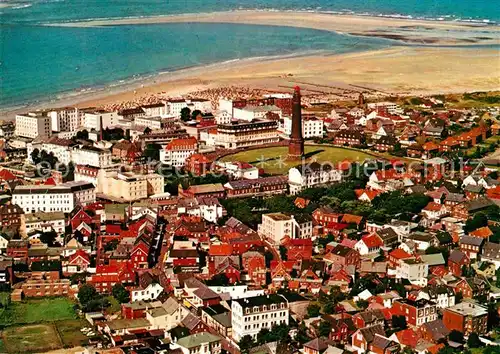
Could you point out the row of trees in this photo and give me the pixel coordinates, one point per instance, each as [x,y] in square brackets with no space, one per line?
[91,300]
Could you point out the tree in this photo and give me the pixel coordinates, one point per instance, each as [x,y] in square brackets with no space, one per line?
[399,322]
[152,151]
[324,328]
[362,304]
[283,253]
[120,293]
[35,156]
[313,310]
[263,336]
[185,114]
[329,308]
[86,294]
[473,341]
[456,336]
[195,114]
[147,130]
[246,343]
[302,336]
[479,220]
[48,237]
[82,135]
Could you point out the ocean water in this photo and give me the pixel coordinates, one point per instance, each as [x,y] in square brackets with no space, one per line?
[39,63]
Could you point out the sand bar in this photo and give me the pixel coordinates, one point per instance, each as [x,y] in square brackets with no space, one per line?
[407,30]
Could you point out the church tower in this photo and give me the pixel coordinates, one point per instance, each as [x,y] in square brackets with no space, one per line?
[296,146]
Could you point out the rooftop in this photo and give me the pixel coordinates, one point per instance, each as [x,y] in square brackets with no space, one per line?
[469,309]
[197,339]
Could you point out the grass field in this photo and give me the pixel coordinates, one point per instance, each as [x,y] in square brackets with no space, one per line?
[30,339]
[34,311]
[69,332]
[273,160]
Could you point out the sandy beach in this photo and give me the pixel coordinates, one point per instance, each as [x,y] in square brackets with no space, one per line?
[406,30]
[394,71]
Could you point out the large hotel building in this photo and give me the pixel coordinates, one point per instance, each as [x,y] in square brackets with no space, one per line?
[243,134]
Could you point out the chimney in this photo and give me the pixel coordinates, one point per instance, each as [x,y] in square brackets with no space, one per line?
[100,124]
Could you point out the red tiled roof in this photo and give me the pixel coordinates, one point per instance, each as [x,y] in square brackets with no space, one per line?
[7,175]
[223,249]
[450,141]
[433,206]
[383,175]
[348,242]
[408,337]
[79,253]
[428,146]
[352,219]
[372,241]
[182,144]
[113,229]
[399,253]
[482,232]
[50,182]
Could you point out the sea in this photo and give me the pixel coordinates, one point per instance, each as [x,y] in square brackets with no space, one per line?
[40,63]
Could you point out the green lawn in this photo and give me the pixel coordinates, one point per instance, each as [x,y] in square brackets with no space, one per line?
[69,332]
[35,311]
[273,160]
[30,339]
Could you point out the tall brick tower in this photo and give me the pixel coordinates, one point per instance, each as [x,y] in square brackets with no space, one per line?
[296,147]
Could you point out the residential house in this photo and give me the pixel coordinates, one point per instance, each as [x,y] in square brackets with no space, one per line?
[434,331]
[473,287]
[370,244]
[363,337]
[416,312]
[471,246]
[466,317]
[456,261]
[199,343]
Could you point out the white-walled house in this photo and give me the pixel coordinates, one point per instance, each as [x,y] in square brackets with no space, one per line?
[312,174]
[151,292]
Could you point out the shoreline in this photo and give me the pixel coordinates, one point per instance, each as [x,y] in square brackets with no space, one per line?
[406,30]
[394,71]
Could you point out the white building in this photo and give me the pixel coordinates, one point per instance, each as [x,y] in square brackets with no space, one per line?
[312,174]
[150,293]
[63,197]
[250,315]
[175,106]
[250,113]
[391,107]
[239,170]
[414,270]
[311,128]
[61,149]
[223,117]
[153,123]
[240,134]
[178,150]
[92,156]
[155,109]
[67,119]
[442,295]
[236,291]
[208,208]
[45,222]
[100,119]
[275,226]
[128,186]
[33,125]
